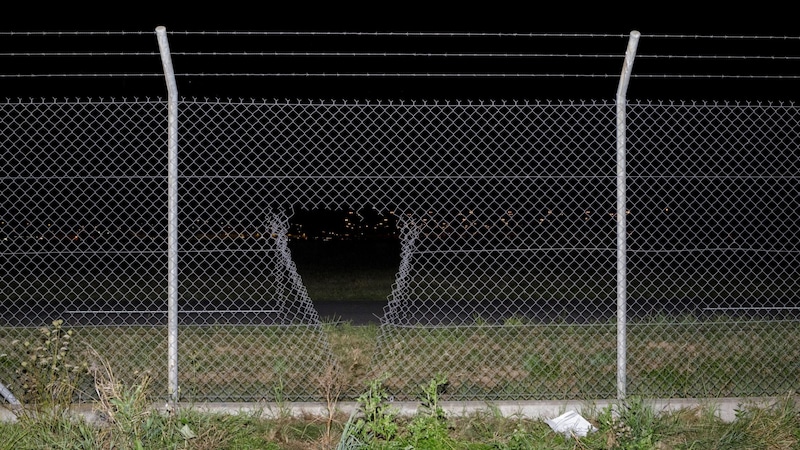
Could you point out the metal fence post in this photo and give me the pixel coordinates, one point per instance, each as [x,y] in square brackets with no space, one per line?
[622,223]
[172,220]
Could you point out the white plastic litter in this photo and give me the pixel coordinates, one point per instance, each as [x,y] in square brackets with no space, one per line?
[571,423]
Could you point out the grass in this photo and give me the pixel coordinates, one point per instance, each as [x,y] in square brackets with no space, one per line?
[507,362]
[60,362]
[186,429]
[369,284]
[347,270]
[624,425]
[336,361]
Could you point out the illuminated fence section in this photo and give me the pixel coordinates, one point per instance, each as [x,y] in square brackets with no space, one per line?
[83,231]
[249,330]
[503,210]
[506,214]
[510,257]
[713,249]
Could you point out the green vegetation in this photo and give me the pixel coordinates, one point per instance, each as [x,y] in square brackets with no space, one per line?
[632,424]
[57,364]
[379,421]
[505,362]
[124,417]
[626,426]
[120,373]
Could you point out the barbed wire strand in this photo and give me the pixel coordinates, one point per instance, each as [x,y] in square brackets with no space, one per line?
[399,75]
[394,34]
[392,54]
[397,54]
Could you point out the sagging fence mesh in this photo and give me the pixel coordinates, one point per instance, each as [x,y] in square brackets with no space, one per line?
[506,215]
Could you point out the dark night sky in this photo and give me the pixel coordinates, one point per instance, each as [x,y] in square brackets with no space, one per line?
[400,17]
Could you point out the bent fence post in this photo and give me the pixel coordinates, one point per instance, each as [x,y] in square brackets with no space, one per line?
[172,220]
[622,244]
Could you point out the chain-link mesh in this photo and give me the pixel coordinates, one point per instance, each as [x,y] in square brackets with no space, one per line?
[508,250]
[506,211]
[713,249]
[250,330]
[83,230]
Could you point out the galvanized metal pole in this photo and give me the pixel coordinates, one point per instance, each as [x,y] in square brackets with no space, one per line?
[622,222]
[172,217]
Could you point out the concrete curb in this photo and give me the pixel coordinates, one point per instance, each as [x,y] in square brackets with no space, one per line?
[725,408]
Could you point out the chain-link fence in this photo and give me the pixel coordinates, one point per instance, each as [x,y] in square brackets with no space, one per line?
[506,214]
[536,250]
[713,250]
